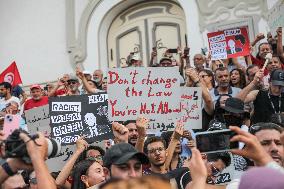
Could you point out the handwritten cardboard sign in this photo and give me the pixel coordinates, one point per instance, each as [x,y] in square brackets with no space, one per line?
[190,104]
[191,113]
[56,164]
[75,116]
[152,92]
[38,120]
[275,17]
[229,43]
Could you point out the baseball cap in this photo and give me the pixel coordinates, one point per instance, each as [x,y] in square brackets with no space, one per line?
[121,153]
[87,72]
[165,58]
[35,86]
[135,57]
[73,78]
[277,77]
[234,105]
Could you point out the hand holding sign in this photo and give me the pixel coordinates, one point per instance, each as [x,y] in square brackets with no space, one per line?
[178,130]
[141,124]
[81,144]
[120,132]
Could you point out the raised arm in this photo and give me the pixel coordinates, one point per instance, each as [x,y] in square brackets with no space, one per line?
[85,83]
[280,52]
[141,124]
[258,37]
[120,133]
[60,181]
[57,86]
[209,104]
[250,87]
[173,143]
[37,151]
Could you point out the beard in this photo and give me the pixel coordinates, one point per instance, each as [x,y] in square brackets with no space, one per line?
[132,140]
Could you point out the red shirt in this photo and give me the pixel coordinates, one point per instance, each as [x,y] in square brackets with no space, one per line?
[60,92]
[31,103]
[259,63]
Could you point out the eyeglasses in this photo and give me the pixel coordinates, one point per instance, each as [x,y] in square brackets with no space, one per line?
[152,151]
[256,127]
[215,171]
[72,82]
[203,76]
[95,158]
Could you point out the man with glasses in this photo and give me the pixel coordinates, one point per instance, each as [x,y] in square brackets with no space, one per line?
[199,61]
[73,86]
[155,148]
[268,134]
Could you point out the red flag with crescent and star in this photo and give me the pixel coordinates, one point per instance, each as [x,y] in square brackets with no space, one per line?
[11,75]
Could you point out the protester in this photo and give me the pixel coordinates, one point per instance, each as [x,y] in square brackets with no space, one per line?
[37,99]
[5,93]
[87,173]
[238,78]
[199,61]
[61,88]
[268,134]
[222,77]
[266,102]
[124,161]
[98,78]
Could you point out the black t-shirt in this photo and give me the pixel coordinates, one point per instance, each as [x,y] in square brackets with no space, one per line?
[263,108]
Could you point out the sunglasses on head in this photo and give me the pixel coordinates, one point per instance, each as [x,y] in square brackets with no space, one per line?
[256,127]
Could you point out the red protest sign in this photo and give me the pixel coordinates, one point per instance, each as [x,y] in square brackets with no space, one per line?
[229,43]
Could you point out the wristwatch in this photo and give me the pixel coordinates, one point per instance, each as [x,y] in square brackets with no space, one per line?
[8,169]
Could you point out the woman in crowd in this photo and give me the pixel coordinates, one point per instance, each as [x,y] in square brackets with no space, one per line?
[87,173]
[208,78]
[238,78]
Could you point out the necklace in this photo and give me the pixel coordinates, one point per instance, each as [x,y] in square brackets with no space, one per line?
[279,103]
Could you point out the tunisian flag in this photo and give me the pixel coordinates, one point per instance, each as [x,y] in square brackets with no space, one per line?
[11,75]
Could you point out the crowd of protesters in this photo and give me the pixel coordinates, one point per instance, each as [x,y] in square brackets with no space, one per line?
[241,94]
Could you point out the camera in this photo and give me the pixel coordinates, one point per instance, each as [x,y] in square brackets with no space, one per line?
[15,147]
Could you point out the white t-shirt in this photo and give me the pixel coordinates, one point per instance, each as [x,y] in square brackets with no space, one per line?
[4,102]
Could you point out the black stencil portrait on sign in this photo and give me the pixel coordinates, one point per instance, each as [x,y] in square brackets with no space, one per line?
[84,115]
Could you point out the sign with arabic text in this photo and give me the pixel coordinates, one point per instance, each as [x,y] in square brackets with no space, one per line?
[191,113]
[191,110]
[38,120]
[152,92]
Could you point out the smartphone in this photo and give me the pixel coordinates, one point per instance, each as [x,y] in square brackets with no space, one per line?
[172,50]
[215,141]
[11,123]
